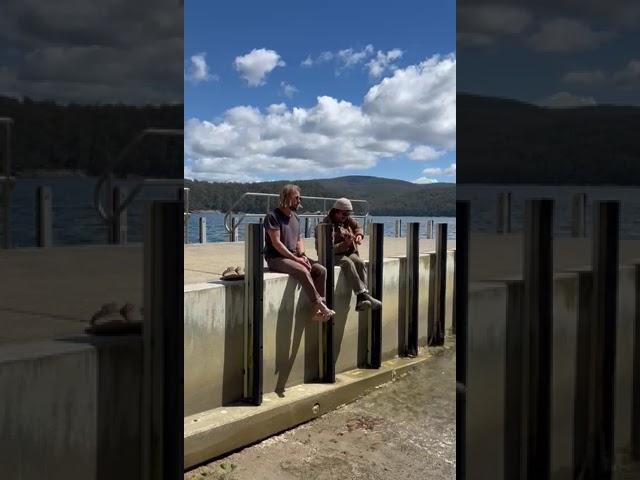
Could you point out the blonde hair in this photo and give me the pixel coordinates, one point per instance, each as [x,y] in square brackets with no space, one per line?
[286,193]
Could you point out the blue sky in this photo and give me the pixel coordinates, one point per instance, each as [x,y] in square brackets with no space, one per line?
[376,95]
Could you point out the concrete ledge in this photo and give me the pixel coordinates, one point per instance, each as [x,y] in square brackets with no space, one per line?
[215,432]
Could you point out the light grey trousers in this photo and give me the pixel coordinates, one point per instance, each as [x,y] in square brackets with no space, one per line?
[355,269]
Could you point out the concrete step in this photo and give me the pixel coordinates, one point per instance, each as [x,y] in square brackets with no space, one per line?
[215,432]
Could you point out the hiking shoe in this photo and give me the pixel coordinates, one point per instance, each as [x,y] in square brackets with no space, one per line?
[362,303]
[375,304]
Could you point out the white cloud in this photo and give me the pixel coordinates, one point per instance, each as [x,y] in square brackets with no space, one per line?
[585,78]
[383,61]
[257,64]
[629,76]
[407,113]
[565,35]
[425,153]
[626,77]
[349,57]
[437,171]
[480,26]
[566,100]
[198,70]
[425,180]
[324,57]
[288,90]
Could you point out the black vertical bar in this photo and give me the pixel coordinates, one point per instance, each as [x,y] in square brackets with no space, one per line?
[254,282]
[163,403]
[537,330]
[462,299]
[437,333]
[412,289]
[376,265]
[44,219]
[119,228]
[325,256]
[582,401]
[513,381]
[605,263]
[504,213]
[635,415]
[579,215]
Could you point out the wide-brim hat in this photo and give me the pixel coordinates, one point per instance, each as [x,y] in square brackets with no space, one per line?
[343,204]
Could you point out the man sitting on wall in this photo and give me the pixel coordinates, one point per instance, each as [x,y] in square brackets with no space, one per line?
[284,251]
[347,235]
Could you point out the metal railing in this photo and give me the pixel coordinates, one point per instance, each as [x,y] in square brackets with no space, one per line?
[231,224]
[111,213]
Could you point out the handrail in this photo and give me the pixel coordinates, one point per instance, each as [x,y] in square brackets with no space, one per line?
[227,216]
[110,216]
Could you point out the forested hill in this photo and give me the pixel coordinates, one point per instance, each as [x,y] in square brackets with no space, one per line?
[85,138]
[385,196]
[506,141]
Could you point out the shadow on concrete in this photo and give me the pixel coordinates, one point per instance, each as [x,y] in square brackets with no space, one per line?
[232,375]
[119,399]
[341,307]
[289,329]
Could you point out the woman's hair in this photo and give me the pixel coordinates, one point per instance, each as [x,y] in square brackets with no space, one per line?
[286,194]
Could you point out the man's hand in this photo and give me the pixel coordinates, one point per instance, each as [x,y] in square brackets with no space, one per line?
[304,261]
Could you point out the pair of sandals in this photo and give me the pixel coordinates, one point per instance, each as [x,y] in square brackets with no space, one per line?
[232,274]
[111,320]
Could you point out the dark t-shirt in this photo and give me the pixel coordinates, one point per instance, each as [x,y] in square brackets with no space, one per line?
[289,232]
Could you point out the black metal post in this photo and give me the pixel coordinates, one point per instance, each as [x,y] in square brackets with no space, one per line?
[202,231]
[436,331]
[163,341]
[326,350]
[44,218]
[579,215]
[411,290]
[537,331]
[635,415]
[605,264]
[376,265]
[253,300]
[462,305]
[504,213]
[119,223]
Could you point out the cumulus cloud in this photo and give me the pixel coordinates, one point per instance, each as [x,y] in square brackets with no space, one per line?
[425,180]
[383,61]
[69,51]
[257,64]
[565,35]
[324,57]
[482,25]
[407,113]
[437,171]
[198,71]
[288,90]
[586,78]
[349,57]
[425,153]
[567,100]
[625,78]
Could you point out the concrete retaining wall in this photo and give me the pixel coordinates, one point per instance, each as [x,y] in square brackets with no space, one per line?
[213,353]
[71,409]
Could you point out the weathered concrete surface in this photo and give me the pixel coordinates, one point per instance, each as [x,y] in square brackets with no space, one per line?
[214,331]
[52,292]
[205,263]
[71,409]
[401,430]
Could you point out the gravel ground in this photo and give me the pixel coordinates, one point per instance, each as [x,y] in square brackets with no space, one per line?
[403,430]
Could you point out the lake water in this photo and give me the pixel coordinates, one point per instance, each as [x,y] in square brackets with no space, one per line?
[217,233]
[75,219]
[483,200]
